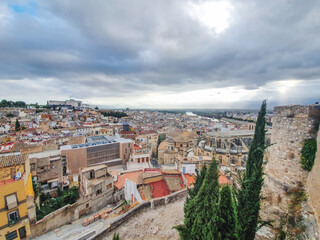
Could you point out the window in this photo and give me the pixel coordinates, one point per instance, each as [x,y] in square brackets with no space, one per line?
[64,170]
[98,191]
[87,205]
[11,201]
[33,166]
[13,217]
[12,235]
[109,185]
[22,232]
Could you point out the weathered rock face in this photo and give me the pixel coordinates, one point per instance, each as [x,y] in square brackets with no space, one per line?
[283,195]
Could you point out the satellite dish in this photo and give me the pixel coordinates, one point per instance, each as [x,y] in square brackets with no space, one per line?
[18,175]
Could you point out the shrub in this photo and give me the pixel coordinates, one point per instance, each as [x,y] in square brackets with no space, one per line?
[48,204]
[282,235]
[308,154]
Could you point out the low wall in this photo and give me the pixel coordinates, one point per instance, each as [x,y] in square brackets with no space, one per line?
[55,219]
[126,216]
[69,213]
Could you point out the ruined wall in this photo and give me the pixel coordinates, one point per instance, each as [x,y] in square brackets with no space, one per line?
[69,213]
[285,181]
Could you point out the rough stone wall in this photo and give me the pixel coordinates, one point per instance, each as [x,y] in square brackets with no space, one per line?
[313,184]
[284,175]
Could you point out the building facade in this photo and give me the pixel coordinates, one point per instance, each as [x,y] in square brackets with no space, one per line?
[97,150]
[14,221]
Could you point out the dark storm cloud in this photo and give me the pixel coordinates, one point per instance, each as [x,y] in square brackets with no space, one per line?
[119,48]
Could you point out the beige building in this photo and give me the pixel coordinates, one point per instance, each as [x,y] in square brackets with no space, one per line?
[150,139]
[166,153]
[178,145]
[47,168]
[96,185]
[114,152]
[230,148]
[106,131]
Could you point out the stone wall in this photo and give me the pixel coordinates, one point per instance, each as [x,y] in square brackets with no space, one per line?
[313,184]
[284,178]
[69,213]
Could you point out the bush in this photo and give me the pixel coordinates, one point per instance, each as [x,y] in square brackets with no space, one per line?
[308,154]
[282,235]
[48,204]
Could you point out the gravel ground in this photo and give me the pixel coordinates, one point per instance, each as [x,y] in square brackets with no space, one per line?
[153,224]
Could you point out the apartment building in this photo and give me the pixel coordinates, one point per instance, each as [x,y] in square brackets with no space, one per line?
[47,168]
[96,184]
[14,183]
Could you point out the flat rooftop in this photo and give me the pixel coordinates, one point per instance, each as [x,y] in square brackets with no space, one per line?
[235,133]
[45,154]
[95,167]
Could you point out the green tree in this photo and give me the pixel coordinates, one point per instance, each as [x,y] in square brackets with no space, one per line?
[249,194]
[205,205]
[228,222]
[198,183]
[200,221]
[17,127]
[115,236]
[185,230]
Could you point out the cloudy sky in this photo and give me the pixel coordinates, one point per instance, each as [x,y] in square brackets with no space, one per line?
[161,54]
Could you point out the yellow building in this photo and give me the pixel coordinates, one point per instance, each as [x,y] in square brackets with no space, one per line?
[14,221]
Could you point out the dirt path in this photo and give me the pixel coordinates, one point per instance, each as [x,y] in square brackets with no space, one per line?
[153,224]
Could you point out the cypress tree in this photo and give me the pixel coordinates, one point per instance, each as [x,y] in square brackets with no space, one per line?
[228,222]
[17,127]
[199,180]
[115,236]
[205,206]
[249,194]
[185,230]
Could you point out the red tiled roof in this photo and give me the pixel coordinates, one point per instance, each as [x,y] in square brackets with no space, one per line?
[223,179]
[159,189]
[191,179]
[136,147]
[133,176]
[126,132]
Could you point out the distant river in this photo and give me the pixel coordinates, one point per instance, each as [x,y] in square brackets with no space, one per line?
[191,114]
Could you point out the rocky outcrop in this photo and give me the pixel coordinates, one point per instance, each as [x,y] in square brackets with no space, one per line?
[287,198]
